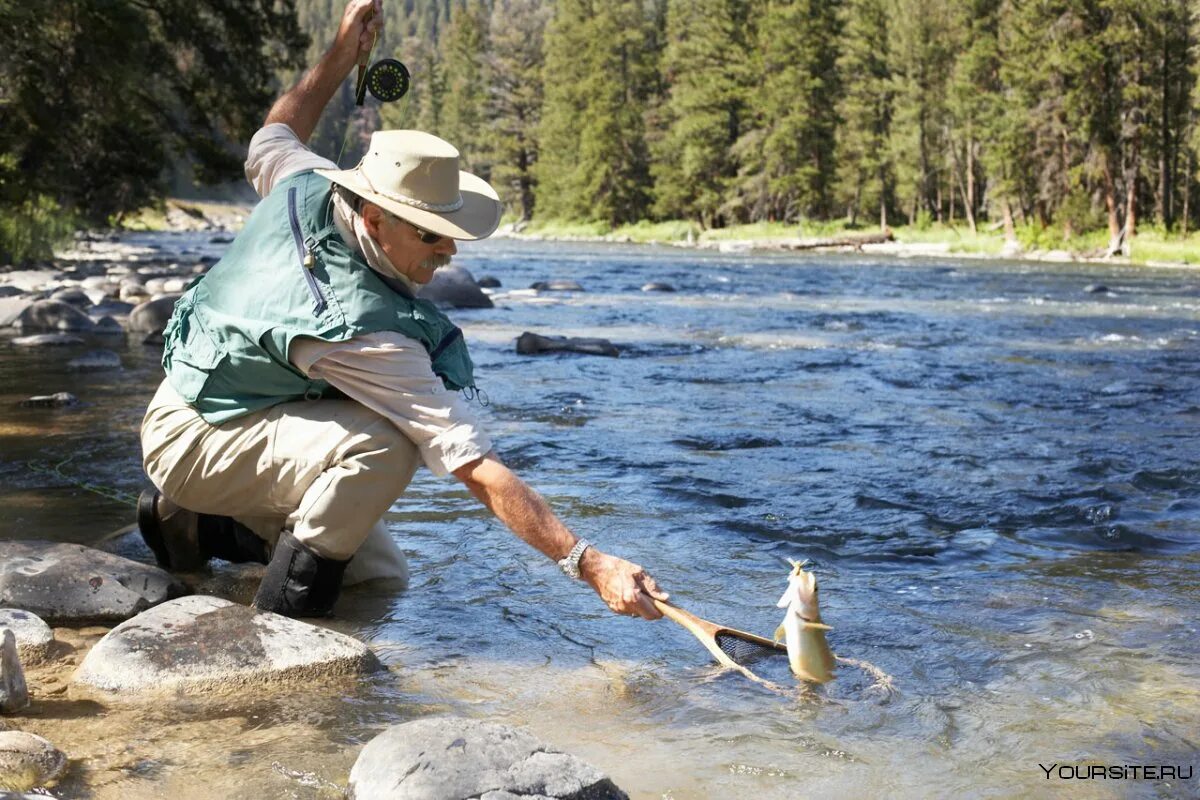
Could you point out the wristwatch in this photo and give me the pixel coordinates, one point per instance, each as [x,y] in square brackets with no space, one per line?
[570,564]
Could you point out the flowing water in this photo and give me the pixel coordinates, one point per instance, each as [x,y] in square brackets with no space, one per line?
[991,468]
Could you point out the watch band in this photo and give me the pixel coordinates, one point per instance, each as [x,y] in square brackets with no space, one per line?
[570,564]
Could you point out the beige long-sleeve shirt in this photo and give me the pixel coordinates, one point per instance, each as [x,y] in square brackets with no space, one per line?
[388,372]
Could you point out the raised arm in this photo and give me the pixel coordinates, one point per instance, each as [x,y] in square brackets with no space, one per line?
[623,586]
[300,107]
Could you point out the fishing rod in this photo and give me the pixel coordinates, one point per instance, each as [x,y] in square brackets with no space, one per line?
[387,80]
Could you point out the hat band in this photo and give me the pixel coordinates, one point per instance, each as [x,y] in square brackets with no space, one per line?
[412,201]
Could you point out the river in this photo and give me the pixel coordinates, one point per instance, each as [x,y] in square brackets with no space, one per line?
[991,466]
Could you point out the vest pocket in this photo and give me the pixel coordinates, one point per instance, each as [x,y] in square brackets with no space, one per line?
[191,356]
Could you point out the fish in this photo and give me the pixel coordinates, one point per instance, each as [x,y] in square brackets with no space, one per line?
[809,655]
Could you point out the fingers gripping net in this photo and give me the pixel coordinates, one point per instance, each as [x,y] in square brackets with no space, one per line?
[743,651]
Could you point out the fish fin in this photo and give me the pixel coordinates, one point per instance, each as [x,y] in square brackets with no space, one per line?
[784,601]
[780,633]
[820,626]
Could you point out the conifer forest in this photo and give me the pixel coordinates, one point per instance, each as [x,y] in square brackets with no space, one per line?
[1073,115]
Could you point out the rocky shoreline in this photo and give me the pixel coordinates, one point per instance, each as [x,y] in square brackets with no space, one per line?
[169,645]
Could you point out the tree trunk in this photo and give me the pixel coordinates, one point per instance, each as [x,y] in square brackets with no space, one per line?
[1187,192]
[1110,203]
[1162,199]
[1010,231]
[970,201]
[1131,183]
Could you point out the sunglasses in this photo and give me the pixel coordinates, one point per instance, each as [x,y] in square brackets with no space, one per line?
[426,236]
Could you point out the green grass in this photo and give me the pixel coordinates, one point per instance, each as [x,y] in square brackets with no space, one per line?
[30,231]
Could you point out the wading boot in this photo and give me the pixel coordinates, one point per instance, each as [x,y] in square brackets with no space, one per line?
[184,541]
[298,582]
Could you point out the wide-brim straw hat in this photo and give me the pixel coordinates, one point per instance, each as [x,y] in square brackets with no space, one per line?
[415,176]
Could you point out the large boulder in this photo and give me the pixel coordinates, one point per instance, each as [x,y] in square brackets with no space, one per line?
[529,344]
[152,315]
[70,584]
[33,635]
[449,758]
[52,315]
[455,287]
[201,643]
[28,761]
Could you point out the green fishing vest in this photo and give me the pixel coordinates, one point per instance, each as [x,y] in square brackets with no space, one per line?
[288,274]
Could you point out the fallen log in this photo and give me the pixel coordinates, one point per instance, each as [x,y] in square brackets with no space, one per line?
[853,240]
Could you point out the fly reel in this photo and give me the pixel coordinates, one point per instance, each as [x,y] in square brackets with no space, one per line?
[387,79]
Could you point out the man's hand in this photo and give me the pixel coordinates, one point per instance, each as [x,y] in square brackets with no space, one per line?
[623,586]
[361,21]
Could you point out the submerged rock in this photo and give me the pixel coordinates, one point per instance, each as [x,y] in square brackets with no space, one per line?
[33,635]
[449,758]
[534,344]
[28,761]
[658,287]
[14,695]
[47,340]
[74,296]
[56,400]
[96,359]
[488,282]
[202,643]
[51,315]
[69,584]
[152,315]
[455,287]
[556,286]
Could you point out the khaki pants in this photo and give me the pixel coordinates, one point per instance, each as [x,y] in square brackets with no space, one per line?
[326,469]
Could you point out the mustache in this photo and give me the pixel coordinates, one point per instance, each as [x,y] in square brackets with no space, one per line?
[436,261]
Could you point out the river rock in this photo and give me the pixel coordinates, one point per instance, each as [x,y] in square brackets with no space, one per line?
[533,344]
[96,359]
[454,287]
[28,761]
[152,316]
[450,758]
[488,282]
[13,307]
[556,286]
[69,584]
[51,315]
[107,326]
[31,280]
[73,296]
[113,308]
[658,287]
[201,642]
[10,291]
[33,635]
[47,340]
[14,695]
[56,400]
[1097,288]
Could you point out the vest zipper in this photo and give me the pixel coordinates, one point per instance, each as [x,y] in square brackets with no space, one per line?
[446,341]
[305,249]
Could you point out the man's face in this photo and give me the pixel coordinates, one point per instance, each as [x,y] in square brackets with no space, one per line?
[401,243]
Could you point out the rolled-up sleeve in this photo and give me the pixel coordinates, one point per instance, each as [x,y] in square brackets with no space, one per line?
[276,153]
[392,375]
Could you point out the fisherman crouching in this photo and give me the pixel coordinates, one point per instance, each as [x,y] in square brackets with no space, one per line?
[305,383]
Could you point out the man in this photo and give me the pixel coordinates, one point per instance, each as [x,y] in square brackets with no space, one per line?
[305,382]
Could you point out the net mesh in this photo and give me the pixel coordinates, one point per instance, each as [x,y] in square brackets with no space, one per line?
[743,651]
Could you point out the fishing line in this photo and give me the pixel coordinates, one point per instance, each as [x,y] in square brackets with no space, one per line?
[108,492]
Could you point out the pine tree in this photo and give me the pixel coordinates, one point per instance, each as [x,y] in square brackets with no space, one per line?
[793,134]
[593,161]
[974,97]
[515,99]
[704,68]
[463,48]
[865,173]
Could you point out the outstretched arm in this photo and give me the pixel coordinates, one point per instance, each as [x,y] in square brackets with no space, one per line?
[301,106]
[623,586]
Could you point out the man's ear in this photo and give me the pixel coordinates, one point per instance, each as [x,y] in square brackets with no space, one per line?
[372,218]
